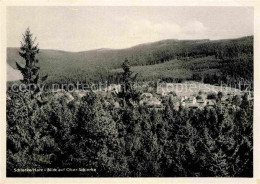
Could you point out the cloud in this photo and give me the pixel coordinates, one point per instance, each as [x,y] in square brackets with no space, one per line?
[131,31]
[153,31]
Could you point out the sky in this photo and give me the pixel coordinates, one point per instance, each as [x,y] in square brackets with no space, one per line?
[86,28]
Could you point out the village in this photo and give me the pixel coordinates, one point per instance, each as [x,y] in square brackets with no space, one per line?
[193,96]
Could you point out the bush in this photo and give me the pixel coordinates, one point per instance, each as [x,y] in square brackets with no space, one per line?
[212,96]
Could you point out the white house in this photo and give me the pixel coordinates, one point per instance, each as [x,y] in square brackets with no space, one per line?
[147,96]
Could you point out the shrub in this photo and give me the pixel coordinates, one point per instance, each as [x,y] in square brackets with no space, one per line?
[212,96]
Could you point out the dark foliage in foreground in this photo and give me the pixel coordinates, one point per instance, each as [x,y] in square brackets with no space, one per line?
[128,141]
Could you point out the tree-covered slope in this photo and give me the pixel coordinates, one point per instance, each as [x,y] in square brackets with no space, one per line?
[97,64]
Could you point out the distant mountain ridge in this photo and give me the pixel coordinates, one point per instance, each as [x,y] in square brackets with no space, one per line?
[68,65]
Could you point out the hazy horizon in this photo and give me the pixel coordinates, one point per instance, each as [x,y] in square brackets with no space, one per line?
[78,29]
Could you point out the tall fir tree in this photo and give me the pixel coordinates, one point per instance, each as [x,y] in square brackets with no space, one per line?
[128,92]
[28,52]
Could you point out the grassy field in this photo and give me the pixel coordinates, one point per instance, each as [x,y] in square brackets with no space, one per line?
[179,69]
[173,68]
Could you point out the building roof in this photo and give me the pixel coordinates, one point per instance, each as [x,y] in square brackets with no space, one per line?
[200,101]
[116,105]
[147,94]
[210,102]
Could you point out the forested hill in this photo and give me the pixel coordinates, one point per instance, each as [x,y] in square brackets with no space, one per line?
[93,64]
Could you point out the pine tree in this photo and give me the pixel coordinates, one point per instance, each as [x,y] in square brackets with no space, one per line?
[28,51]
[128,92]
[126,75]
